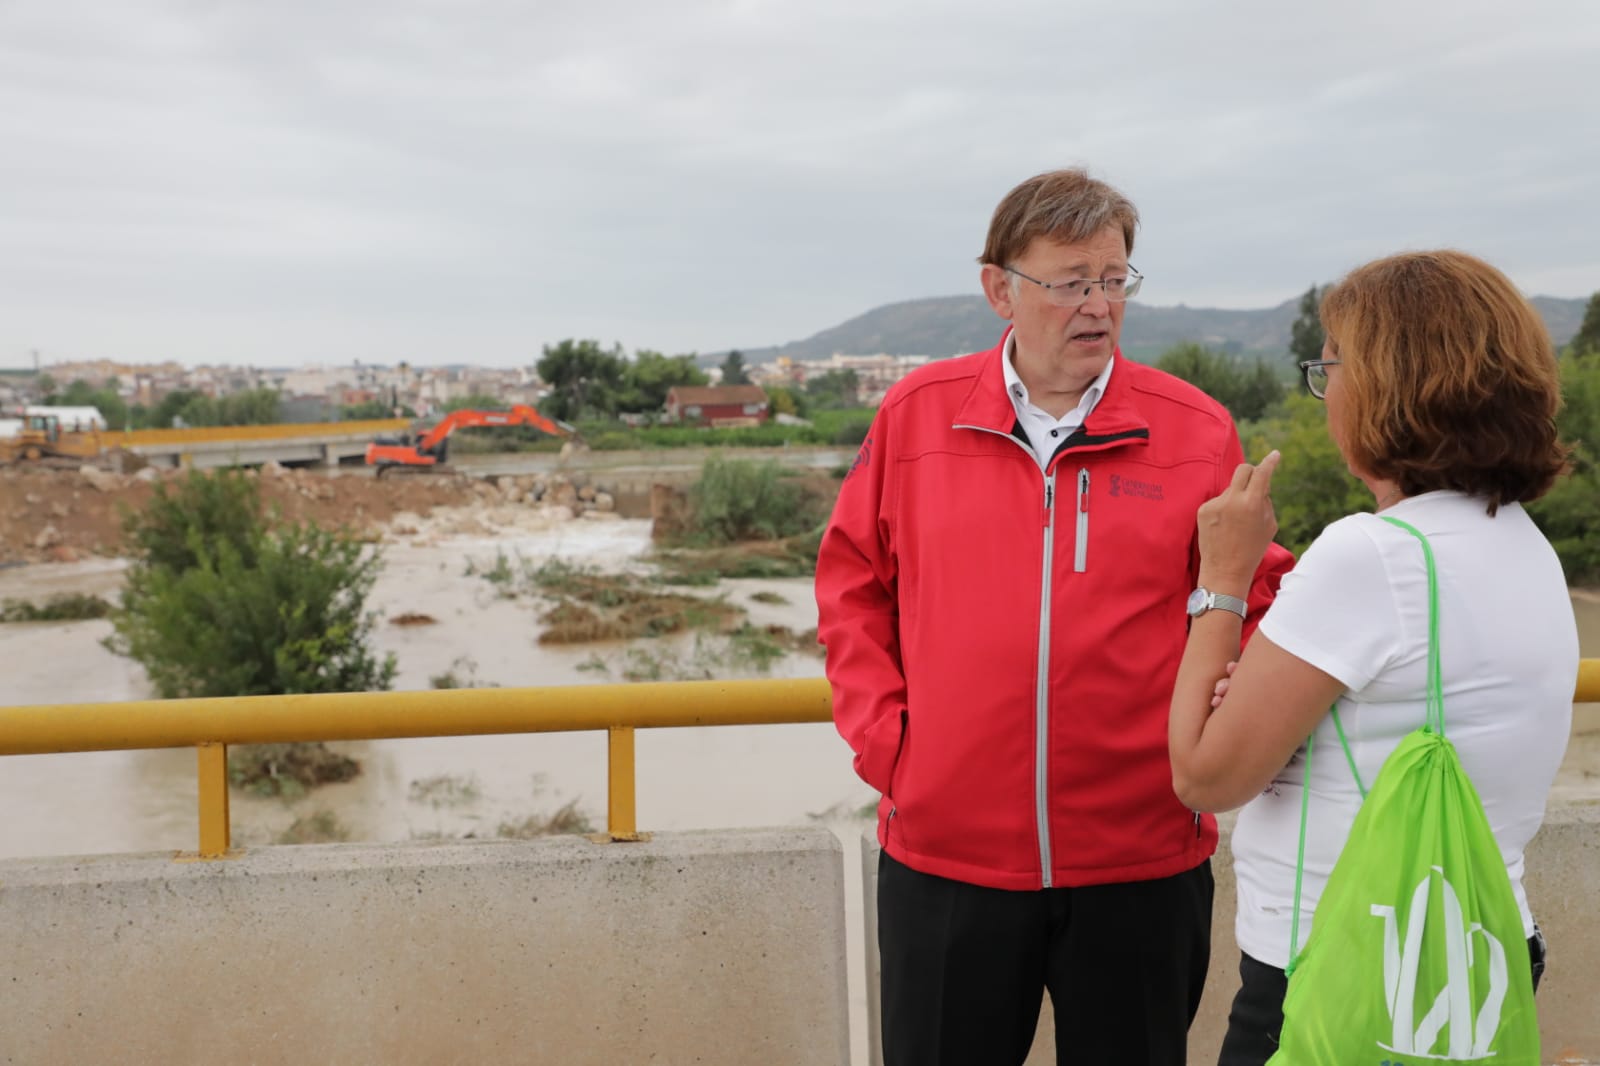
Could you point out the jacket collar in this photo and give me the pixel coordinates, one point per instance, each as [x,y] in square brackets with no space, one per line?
[987,406]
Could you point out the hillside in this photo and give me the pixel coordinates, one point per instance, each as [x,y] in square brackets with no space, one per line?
[950,325]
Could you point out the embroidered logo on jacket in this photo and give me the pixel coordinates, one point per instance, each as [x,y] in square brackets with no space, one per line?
[1127,486]
[863,457]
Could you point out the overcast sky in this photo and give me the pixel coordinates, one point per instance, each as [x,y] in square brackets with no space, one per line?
[467,180]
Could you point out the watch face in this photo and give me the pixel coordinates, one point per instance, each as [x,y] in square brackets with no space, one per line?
[1197,601]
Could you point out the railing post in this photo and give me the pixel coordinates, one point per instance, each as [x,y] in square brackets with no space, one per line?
[621,816]
[214,827]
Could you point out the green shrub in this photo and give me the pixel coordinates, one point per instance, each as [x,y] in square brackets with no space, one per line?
[737,500]
[292,622]
[191,514]
[66,607]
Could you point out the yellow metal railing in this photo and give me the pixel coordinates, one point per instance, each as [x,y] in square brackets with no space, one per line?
[210,725]
[134,438]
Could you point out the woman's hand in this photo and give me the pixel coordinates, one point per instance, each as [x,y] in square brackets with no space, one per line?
[1236,527]
[1222,685]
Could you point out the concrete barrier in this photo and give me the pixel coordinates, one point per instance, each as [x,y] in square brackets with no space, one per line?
[1563,883]
[724,947]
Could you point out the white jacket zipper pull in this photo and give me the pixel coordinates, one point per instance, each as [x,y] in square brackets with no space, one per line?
[1080,550]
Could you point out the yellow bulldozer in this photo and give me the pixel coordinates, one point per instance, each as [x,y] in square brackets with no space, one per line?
[41,437]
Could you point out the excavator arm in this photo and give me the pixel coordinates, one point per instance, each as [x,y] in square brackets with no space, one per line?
[429,449]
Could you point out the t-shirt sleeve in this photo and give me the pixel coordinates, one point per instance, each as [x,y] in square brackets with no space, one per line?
[1336,609]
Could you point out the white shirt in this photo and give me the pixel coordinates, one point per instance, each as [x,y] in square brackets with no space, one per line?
[1044,431]
[1356,607]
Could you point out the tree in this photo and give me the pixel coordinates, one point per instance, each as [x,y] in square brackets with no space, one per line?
[252,407]
[1247,392]
[785,400]
[650,376]
[583,377]
[1587,340]
[1305,336]
[733,372]
[218,603]
[81,394]
[1569,515]
[373,409]
[834,389]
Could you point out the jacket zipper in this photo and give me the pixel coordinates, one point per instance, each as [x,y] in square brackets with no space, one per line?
[1080,555]
[1041,697]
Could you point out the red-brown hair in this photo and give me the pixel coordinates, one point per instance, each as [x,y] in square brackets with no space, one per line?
[1450,380]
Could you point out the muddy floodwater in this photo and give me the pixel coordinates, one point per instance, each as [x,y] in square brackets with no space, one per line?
[473,786]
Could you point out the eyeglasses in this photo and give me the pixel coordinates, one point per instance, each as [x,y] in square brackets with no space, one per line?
[1073,293]
[1316,375]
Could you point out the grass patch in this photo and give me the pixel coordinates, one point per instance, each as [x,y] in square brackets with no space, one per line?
[768,597]
[319,827]
[287,770]
[499,573]
[593,606]
[463,673]
[445,790]
[788,557]
[66,607]
[413,618]
[567,820]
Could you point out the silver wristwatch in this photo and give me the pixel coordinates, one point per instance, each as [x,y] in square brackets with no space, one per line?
[1202,600]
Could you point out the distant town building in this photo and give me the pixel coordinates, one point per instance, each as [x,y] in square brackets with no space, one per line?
[717,405]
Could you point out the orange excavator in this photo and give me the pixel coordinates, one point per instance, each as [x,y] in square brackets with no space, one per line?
[428,451]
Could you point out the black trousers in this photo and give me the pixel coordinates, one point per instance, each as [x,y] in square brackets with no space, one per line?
[964,969]
[1257,1015]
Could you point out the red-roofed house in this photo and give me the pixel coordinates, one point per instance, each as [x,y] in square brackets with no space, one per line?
[717,405]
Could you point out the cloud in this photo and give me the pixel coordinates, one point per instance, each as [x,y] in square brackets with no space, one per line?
[438,181]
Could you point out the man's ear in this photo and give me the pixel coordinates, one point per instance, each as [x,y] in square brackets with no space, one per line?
[997,289]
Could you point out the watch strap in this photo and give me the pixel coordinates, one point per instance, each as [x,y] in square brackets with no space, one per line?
[1218,600]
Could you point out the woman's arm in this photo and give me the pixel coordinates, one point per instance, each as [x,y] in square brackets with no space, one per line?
[1223,757]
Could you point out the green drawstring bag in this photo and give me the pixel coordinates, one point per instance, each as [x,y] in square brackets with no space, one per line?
[1417,953]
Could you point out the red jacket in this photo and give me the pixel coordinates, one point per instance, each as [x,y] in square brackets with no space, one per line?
[1021,743]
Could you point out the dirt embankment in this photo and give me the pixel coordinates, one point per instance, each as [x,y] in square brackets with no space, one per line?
[62,515]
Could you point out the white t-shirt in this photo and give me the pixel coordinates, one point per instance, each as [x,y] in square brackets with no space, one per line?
[1356,607]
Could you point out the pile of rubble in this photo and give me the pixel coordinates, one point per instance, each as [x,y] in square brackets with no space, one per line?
[62,515]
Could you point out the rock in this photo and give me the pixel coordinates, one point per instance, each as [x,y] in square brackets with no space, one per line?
[102,480]
[63,553]
[58,510]
[604,501]
[147,474]
[48,537]
[560,493]
[586,493]
[273,468]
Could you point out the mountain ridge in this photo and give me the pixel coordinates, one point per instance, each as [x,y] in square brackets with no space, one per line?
[942,326]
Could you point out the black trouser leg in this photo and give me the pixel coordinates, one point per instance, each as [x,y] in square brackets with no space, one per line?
[962,970]
[1257,1015]
[1127,968]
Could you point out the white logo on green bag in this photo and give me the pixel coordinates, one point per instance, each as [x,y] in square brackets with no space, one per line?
[1469,1037]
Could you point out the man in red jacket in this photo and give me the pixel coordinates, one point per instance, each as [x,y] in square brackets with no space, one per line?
[1004,591]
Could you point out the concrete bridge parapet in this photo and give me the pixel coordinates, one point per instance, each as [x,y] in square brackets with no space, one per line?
[712,947]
